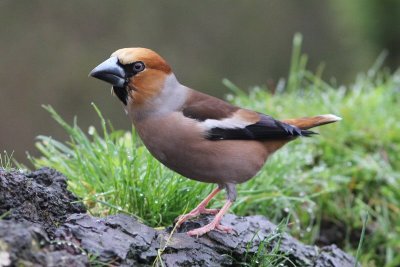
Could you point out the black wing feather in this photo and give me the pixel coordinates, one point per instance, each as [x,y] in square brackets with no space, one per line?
[266,128]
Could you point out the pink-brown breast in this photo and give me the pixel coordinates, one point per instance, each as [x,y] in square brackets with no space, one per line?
[178,143]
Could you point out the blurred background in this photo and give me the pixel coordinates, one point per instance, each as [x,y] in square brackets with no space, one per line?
[48,47]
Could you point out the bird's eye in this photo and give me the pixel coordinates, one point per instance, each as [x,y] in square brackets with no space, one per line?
[138,66]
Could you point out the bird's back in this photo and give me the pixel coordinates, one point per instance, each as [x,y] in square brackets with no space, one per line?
[209,140]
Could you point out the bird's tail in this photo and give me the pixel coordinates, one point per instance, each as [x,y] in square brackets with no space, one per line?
[311,122]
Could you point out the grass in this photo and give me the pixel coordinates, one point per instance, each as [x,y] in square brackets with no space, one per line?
[6,161]
[360,244]
[332,180]
[115,173]
[268,252]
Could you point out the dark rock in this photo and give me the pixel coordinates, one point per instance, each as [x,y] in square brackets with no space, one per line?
[332,256]
[114,238]
[122,239]
[24,244]
[43,225]
[40,197]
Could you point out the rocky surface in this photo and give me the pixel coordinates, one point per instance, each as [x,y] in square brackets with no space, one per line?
[40,197]
[25,244]
[122,239]
[43,228]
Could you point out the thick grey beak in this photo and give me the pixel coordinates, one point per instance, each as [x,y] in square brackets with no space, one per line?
[110,71]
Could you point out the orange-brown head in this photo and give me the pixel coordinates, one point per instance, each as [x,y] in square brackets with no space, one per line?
[136,73]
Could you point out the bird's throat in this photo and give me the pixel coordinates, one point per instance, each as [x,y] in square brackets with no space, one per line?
[121,93]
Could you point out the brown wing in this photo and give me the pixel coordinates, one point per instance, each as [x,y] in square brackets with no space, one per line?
[222,121]
[201,107]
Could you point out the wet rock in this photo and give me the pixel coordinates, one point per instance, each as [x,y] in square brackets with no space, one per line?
[113,239]
[255,232]
[25,244]
[122,239]
[40,197]
[41,224]
[332,256]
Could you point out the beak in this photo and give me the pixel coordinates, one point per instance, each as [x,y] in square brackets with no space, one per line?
[110,71]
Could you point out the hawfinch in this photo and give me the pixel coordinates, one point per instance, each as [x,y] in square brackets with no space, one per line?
[196,135]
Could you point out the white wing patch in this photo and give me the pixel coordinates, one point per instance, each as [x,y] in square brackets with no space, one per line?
[228,123]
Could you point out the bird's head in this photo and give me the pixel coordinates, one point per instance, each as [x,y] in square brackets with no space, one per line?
[136,74]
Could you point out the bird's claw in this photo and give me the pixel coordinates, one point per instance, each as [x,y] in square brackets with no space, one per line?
[210,211]
[194,213]
[224,229]
[202,230]
[209,227]
[184,218]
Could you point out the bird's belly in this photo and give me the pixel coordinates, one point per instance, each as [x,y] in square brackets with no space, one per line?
[225,161]
[179,144]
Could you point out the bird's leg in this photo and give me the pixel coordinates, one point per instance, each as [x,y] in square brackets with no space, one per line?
[201,208]
[215,224]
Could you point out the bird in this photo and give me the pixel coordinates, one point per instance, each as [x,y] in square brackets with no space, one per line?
[199,136]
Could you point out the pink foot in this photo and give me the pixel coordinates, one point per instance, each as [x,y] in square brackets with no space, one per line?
[202,230]
[210,211]
[185,217]
[209,227]
[215,224]
[200,209]
[194,213]
[224,229]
